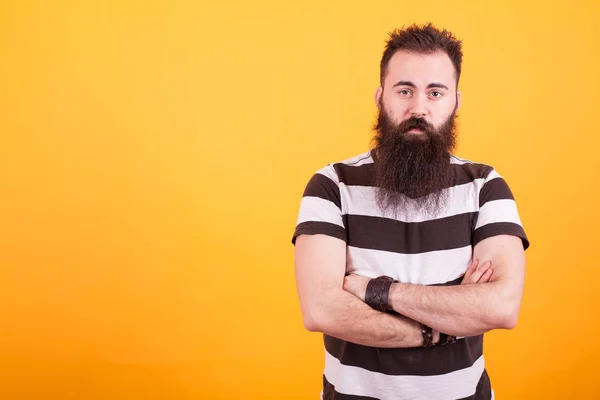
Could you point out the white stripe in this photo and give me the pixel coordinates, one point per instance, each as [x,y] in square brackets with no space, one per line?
[459,161]
[361,382]
[498,211]
[364,161]
[492,175]
[361,200]
[361,159]
[319,210]
[423,268]
[330,173]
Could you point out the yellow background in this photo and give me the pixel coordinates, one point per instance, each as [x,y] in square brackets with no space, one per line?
[152,160]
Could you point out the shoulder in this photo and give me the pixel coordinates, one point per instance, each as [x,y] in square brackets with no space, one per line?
[490,184]
[338,170]
[470,170]
[356,170]
[357,160]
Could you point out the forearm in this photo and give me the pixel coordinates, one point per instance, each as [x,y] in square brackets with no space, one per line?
[464,310]
[348,318]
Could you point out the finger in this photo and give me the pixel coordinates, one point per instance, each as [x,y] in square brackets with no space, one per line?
[484,266]
[470,269]
[480,271]
[487,275]
[346,283]
[474,264]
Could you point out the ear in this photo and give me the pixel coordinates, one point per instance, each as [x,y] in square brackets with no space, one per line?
[458,99]
[378,94]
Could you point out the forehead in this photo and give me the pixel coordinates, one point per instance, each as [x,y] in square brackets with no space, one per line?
[421,69]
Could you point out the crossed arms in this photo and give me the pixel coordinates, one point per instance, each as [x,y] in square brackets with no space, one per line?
[334,304]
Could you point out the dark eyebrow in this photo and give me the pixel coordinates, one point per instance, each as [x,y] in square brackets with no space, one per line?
[412,85]
[437,85]
[405,83]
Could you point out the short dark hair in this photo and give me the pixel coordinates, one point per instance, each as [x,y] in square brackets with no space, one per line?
[424,39]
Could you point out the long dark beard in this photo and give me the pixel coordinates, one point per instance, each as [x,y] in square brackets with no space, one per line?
[412,168]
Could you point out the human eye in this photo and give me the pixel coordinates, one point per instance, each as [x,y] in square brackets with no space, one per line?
[436,94]
[404,92]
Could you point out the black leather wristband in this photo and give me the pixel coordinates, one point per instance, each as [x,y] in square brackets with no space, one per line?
[445,339]
[378,291]
[427,333]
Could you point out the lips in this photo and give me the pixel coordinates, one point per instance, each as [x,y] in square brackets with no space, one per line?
[415,126]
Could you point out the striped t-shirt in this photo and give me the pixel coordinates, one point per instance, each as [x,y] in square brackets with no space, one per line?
[412,247]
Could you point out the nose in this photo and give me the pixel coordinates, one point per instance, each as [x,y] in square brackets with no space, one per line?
[418,107]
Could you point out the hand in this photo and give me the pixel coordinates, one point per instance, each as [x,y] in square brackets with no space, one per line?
[436,337]
[477,273]
[356,285]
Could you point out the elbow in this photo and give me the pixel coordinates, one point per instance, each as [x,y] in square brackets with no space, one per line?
[319,313]
[510,320]
[505,318]
[505,310]
[314,321]
[506,321]
[310,323]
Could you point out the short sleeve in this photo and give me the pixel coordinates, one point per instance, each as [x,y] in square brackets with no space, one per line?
[498,213]
[321,207]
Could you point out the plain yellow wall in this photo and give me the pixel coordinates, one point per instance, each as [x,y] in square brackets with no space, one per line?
[152,160]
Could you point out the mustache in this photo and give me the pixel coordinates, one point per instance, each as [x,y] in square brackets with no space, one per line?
[415,123]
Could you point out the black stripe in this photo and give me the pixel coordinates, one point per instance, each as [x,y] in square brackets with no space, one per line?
[484,389]
[500,228]
[323,187]
[466,173]
[386,234]
[363,175]
[449,283]
[419,361]
[496,189]
[319,227]
[329,393]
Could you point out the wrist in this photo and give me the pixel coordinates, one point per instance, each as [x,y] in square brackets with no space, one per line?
[427,335]
[377,293]
[446,339]
[395,293]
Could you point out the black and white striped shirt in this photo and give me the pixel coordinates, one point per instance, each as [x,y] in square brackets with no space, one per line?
[412,247]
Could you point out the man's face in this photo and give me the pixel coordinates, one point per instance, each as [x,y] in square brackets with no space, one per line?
[421,86]
[415,130]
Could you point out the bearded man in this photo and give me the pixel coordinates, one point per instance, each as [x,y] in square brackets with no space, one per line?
[406,255]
